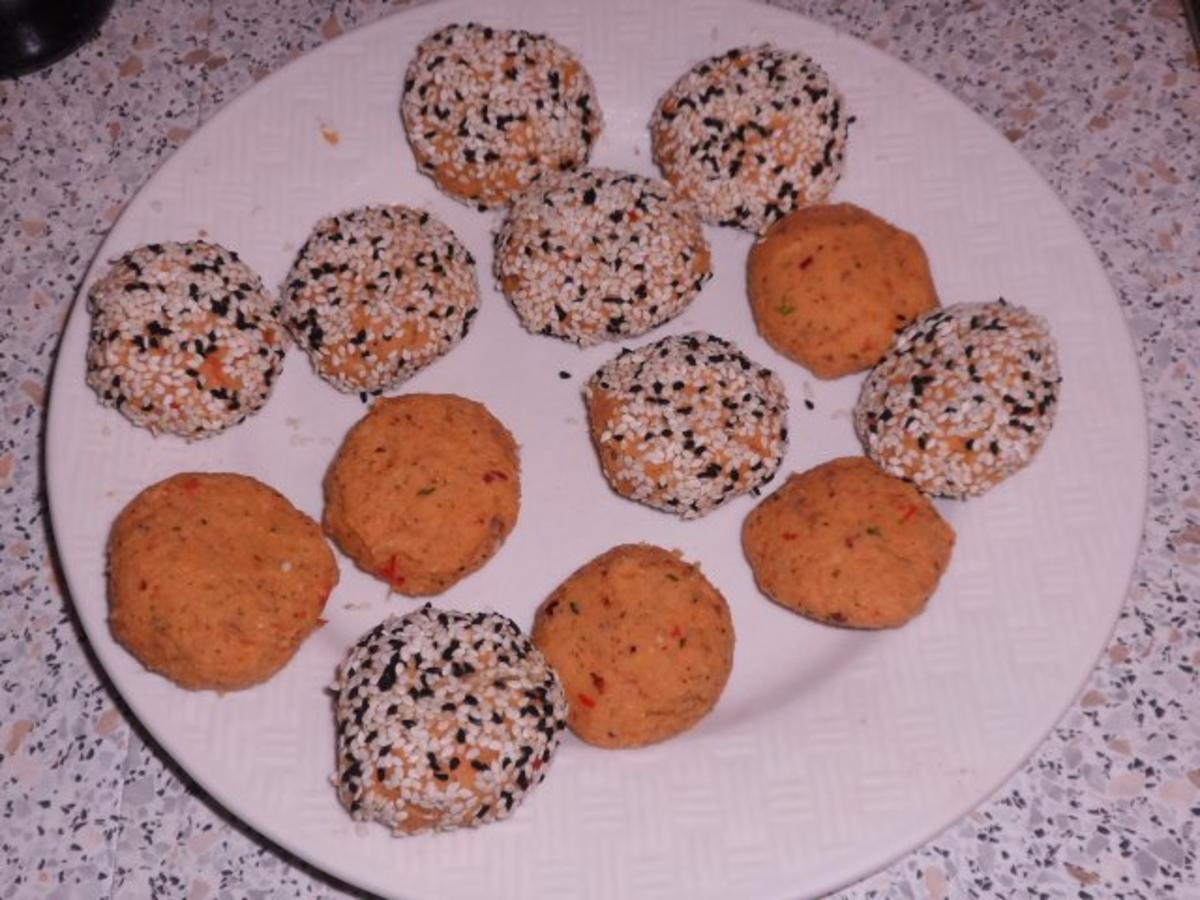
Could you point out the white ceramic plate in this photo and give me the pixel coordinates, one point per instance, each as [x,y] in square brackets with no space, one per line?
[831,752]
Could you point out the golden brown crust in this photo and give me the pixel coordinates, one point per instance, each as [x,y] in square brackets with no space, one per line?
[423,491]
[847,544]
[642,642]
[831,285]
[215,579]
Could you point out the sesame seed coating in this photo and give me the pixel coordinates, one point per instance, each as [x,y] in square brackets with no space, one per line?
[489,111]
[751,134]
[378,293]
[444,720]
[687,422]
[184,339]
[965,397]
[599,255]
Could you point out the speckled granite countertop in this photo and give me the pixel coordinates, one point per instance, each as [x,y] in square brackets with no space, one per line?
[1102,97]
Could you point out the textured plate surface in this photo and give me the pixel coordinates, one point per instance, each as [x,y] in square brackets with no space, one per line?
[831,752]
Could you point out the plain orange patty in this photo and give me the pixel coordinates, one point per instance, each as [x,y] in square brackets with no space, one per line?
[215,579]
[848,544]
[423,491]
[642,643]
[830,285]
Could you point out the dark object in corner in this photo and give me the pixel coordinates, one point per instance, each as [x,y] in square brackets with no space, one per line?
[36,33]
[1192,9]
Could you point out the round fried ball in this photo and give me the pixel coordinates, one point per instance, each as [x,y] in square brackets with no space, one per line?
[830,285]
[847,544]
[488,112]
[686,423]
[215,579]
[184,339]
[964,398]
[423,491]
[643,644]
[751,134]
[378,293]
[600,255]
[444,720]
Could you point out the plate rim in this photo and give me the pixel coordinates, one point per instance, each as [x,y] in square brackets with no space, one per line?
[57,425]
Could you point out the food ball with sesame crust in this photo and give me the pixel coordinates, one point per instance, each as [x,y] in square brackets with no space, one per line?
[423,491]
[643,644]
[184,339]
[686,423]
[965,398]
[378,293]
[444,720]
[751,134]
[600,255]
[488,111]
[847,544]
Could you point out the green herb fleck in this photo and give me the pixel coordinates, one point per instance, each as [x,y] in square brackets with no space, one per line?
[874,531]
[672,577]
[574,608]
[785,309]
[426,491]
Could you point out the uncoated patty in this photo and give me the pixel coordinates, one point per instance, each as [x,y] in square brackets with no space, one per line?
[642,642]
[830,286]
[847,544]
[215,579]
[423,491]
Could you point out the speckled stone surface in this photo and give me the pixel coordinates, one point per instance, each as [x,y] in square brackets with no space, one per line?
[1102,97]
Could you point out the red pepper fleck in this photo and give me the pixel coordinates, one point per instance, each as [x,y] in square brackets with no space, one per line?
[586,700]
[676,632]
[849,543]
[537,763]
[551,607]
[909,513]
[191,485]
[790,535]
[598,682]
[494,475]
[806,262]
[388,573]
